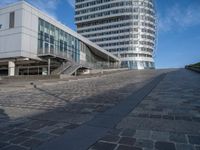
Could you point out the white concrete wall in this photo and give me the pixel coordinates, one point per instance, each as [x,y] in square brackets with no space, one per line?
[29,32]
[22,40]
[10,41]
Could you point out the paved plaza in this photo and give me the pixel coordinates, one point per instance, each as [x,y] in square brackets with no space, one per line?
[129,110]
[167,119]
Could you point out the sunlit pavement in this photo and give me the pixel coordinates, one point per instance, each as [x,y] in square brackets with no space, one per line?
[168,117]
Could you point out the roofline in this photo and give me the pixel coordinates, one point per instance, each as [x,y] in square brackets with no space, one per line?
[70,31]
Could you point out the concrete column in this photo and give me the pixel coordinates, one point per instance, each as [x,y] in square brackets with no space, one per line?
[140,66]
[11,68]
[17,71]
[108,61]
[49,66]
[44,71]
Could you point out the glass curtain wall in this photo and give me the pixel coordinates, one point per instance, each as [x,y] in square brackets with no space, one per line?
[54,41]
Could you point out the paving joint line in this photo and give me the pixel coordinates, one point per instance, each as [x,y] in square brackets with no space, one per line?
[88,133]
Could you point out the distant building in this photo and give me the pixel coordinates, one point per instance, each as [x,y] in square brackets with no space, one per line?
[126,28]
[32,43]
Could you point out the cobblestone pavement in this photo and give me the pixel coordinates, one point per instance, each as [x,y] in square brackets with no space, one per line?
[167,119]
[32,116]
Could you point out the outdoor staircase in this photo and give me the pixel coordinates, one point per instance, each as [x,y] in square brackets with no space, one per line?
[62,67]
[67,68]
[72,69]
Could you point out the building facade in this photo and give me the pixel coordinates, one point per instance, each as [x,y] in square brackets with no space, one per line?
[31,42]
[126,28]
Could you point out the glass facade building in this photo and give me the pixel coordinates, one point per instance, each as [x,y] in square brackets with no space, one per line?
[42,45]
[54,41]
[127,29]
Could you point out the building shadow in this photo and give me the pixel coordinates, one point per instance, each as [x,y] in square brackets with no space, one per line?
[3,116]
[74,113]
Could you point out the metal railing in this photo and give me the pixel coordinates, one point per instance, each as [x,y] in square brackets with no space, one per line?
[62,67]
[68,67]
[63,55]
[69,56]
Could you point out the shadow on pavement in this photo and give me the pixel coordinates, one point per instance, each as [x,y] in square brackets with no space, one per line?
[38,129]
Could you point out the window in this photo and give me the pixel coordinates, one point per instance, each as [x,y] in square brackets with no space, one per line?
[55,41]
[12,20]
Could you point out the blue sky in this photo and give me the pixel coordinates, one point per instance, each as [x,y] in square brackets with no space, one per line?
[178,28]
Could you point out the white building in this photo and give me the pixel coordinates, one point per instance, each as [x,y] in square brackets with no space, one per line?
[32,42]
[126,28]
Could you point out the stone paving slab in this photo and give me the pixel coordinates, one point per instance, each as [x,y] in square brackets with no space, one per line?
[78,139]
[33,116]
[167,119]
[64,117]
[102,123]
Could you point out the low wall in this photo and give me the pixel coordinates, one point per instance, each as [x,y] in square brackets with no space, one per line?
[193,69]
[62,76]
[107,70]
[30,77]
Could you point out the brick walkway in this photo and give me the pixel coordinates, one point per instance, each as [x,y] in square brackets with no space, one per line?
[167,119]
[33,116]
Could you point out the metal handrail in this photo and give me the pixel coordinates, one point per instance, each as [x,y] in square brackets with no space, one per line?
[67,56]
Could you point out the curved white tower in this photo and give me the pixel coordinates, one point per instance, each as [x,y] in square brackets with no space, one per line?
[126,28]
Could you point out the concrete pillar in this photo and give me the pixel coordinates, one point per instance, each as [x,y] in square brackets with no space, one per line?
[49,66]
[108,61]
[44,71]
[17,71]
[11,68]
[140,65]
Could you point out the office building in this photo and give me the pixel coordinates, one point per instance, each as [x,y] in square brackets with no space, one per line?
[31,42]
[126,28]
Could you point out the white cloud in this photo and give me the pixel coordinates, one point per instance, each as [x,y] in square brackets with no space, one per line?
[71,2]
[179,18]
[5,2]
[48,6]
